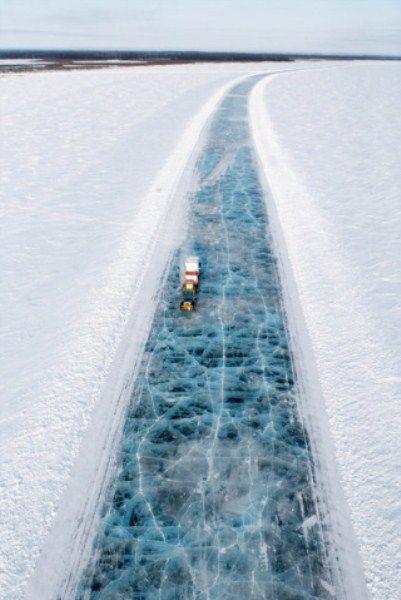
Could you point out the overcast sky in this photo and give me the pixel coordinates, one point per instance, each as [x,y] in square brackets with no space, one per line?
[240,25]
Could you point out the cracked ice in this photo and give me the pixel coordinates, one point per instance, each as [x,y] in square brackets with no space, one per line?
[214,496]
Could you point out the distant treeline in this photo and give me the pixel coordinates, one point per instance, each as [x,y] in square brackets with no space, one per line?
[182,56]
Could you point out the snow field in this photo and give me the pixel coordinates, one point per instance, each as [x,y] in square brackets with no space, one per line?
[89,165]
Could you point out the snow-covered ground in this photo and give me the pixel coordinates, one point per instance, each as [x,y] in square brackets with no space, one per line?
[330,145]
[18,61]
[93,170]
[90,164]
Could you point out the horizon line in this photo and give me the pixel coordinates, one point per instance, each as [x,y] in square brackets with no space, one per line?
[207,54]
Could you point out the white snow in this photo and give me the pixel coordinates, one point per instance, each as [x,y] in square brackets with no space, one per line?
[110,61]
[329,144]
[90,165]
[19,61]
[94,167]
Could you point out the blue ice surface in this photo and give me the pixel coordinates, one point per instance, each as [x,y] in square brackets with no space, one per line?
[215,480]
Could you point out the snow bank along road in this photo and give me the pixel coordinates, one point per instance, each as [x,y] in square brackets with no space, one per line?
[330,146]
[90,162]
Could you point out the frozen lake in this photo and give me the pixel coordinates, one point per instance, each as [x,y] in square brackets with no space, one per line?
[214,495]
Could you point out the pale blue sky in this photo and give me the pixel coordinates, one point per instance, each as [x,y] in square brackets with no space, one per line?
[239,25]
